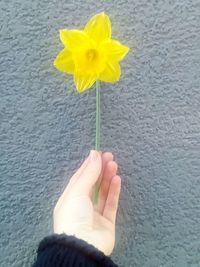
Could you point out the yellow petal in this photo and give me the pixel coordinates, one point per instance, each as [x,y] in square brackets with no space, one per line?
[64,61]
[114,50]
[74,39]
[99,27]
[111,73]
[84,81]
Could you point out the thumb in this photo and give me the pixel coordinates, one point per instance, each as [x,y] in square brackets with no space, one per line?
[90,174]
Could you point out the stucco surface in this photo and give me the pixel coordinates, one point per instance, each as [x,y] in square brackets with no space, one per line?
[150,121]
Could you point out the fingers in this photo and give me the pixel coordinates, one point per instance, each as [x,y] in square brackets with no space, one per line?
[110,209]
[89,175]
[106,157]
[75,177]
[72,181]
[109,172]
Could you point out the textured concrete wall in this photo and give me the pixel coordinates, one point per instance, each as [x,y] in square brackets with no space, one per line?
[151,122]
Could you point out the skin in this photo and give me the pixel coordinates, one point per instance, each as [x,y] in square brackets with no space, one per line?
[75,214]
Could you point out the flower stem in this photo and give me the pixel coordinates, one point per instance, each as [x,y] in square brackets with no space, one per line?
[98,116]
[97,139]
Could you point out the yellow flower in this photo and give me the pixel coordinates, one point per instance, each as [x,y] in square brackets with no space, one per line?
[90,54]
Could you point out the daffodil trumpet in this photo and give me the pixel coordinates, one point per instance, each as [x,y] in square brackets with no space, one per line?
[91,55]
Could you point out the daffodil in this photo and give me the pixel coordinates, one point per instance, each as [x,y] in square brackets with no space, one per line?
[91,54]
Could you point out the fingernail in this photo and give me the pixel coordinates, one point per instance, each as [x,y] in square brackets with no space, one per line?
[93,155]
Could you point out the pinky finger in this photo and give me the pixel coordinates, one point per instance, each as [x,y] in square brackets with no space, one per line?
[111,205]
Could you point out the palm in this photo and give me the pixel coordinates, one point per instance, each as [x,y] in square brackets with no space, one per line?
[104,231]
[94,227]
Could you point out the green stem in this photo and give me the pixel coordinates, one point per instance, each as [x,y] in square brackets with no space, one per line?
[98,116]
[97,139]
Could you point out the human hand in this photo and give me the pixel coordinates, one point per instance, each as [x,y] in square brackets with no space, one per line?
[75,214]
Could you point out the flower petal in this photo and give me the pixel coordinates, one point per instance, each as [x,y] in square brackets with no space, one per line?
[74,39]
[114,50]
[84,81]
[111,73]
[99,27]
[64,61]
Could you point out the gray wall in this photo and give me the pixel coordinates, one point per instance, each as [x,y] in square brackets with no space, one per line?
[151,122]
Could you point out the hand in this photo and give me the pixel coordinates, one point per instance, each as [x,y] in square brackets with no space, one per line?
[75,214]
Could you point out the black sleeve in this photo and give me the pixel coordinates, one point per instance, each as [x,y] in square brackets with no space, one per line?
[63,251]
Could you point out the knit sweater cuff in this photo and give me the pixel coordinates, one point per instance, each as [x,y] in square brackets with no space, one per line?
[62,251]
